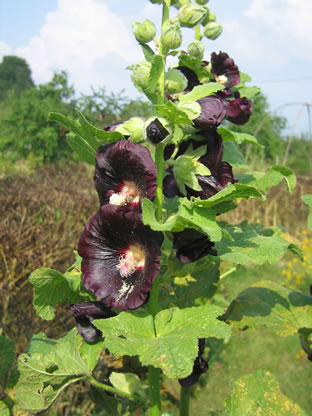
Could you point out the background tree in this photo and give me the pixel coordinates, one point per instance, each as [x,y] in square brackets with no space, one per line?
[15,74]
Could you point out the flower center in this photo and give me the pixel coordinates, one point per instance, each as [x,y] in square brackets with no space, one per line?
[133,259]
[222,79]
[128,194]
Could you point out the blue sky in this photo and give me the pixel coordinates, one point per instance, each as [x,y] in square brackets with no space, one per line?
[92,40]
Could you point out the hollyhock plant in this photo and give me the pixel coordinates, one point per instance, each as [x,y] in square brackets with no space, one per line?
[124,174]
[84,313]
[191,245]
[121,257]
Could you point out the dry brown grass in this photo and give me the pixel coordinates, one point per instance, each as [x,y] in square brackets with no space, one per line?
[41,218]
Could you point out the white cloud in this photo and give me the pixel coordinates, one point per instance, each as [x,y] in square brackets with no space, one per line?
[4,49]
[85,38]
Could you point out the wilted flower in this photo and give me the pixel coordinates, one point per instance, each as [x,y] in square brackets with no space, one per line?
[200,366]
[120,257]
[84,313]
[213,111]
[191,245]
[224,69]
[124,174]
[239,110]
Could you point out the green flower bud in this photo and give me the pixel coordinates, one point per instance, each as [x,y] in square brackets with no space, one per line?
[175,81]
[144,31]
[191,14]
[171,37]
[212,30]
[202,2]
[140,75]
[156,1]
[196,49]
[206,19]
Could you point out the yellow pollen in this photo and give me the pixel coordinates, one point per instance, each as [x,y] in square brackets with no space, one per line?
[129,193]
[221,79]
[133,259]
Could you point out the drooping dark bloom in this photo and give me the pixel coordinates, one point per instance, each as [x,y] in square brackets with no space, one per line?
[124,174]
[200,366]
[213,111]
[191,245]
[84,313]
[121,257]
[192,80]
[239,110]
[156,132]
[224,70]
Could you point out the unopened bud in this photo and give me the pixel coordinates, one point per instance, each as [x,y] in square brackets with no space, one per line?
[212,30]
[202,2]
[171,37]
[140,75]
[144,31]
[156,1]
[156,132]
[196,49]
[175,82]
[210,17]
[191,14]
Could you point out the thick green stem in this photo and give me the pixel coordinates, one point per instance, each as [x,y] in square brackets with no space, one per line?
[116,391]
[154,391]
[184,401]
[198,35]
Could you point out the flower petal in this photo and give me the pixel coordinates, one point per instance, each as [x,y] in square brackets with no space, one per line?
[192,245]
[124,174]
[239,110]
[213,111]
[224,70]
[121,257]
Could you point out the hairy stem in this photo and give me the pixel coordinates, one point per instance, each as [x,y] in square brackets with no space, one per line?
[184,401]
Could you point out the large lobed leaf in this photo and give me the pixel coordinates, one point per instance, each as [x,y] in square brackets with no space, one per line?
[259,395]
[46,369]
[282,311]
[308,200]
[7,355]
[170,342]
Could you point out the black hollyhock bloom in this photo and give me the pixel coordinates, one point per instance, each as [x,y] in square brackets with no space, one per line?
[224,70]
[156,132]
[120,257]
[124,174]
[192,80]
[213,111]
[84,313]
[192,245]
[170,187]
[200,366]
[239,110]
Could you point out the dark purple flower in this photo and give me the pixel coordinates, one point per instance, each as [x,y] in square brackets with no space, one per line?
[200,366]
[239,110]
[156,132]
[192,80]
[192,245]
[84,313]
[213,111]
[224,69]
[121,257]
[124,174]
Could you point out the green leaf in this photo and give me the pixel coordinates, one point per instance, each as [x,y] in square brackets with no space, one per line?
[170,342]
[148,52]
[269,304]
[228,194]
[259,395]
[90,353]
[249,92]
[157,70]
[172,113]
[273,177]
[236,137]
[7,355]
[188,216]
[45,370]
[192,110]
[308,200]
[126,382]
[4,409]
[232,155]
[251,244]
[53,288]
[201,91]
